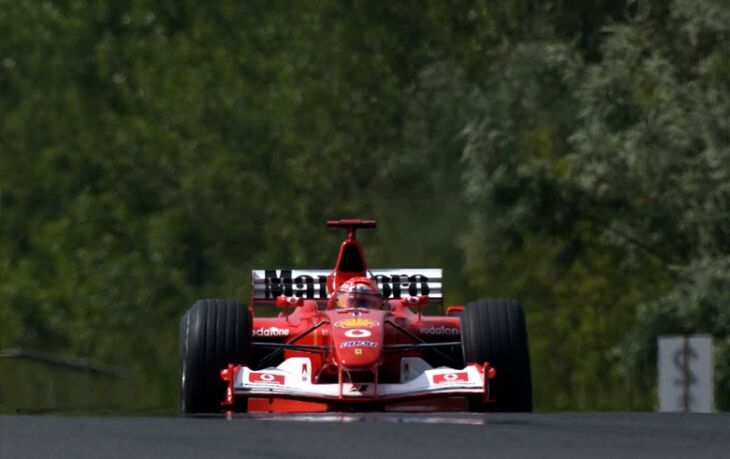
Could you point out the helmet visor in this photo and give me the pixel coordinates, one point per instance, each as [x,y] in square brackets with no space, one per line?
[361,296]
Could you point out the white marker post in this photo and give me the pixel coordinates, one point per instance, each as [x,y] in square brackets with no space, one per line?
[686,374]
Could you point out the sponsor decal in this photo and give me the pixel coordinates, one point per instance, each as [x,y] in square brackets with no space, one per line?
[396,285]
[265,378]
[440,331]
[347,344]
[271,331]
[359,388]
[358,333]
[448,378]
[280,282]
[358,351]
[357,322]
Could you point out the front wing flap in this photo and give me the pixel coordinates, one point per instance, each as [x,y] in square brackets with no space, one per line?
[293,379]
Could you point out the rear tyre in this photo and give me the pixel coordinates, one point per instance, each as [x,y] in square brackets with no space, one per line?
[494,331]
[213,333]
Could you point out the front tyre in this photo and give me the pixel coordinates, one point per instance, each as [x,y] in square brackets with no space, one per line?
[213,333]
[494,331]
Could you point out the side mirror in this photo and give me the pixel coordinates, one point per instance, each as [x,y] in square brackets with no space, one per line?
[416,301]
[289,301]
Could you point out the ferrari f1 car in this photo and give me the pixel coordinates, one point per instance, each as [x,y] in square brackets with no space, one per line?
[353,339]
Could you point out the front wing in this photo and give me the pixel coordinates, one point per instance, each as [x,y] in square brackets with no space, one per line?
[293,380]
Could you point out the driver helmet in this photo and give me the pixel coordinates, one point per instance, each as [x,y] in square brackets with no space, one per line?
[359,292]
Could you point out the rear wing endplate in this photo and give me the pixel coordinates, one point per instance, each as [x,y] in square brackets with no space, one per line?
[268,284]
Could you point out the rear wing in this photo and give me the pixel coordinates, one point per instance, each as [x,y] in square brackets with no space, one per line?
[268,284]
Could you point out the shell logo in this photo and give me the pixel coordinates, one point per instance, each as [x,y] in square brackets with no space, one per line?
[357,322]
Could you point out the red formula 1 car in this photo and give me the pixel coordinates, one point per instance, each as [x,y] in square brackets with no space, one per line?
[353,339]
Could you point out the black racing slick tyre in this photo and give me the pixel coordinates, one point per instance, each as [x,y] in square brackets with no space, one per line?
[494,331]
[213,333]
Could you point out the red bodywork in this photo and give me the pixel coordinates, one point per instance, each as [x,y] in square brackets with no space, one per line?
[353,358]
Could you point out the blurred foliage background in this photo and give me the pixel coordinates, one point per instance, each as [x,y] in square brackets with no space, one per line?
[572,154]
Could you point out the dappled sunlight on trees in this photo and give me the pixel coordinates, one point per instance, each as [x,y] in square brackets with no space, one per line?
[575,156]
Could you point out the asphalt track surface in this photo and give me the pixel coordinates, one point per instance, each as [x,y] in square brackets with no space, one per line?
[372,435]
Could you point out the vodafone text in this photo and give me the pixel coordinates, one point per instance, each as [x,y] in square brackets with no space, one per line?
[271,331]
[439,331]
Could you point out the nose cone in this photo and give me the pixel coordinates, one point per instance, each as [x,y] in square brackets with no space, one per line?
[357,337]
